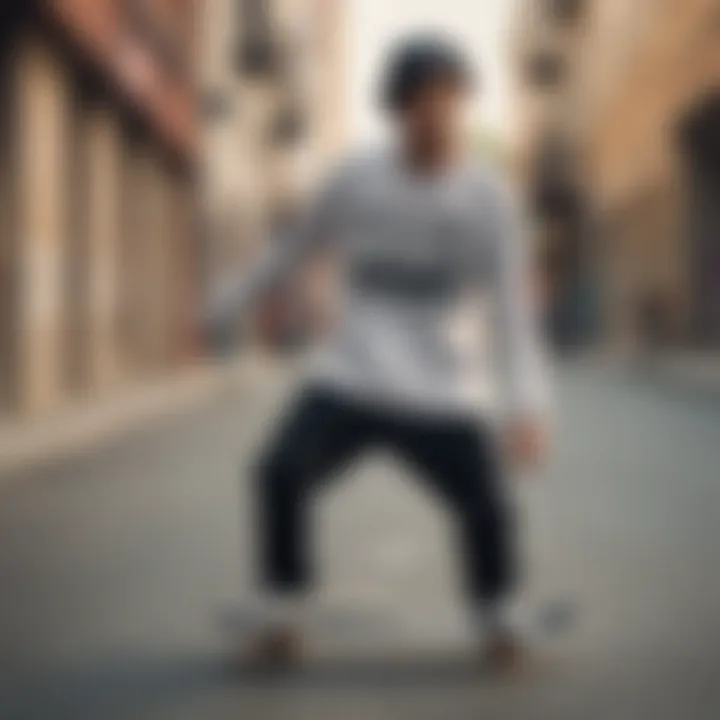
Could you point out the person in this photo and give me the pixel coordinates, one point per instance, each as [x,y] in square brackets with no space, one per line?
[425,237]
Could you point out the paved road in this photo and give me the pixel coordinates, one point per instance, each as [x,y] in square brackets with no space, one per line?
[116,569]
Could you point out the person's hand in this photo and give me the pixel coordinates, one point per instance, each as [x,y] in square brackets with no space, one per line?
[526,443]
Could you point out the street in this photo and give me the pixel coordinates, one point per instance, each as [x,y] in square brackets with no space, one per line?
[118,570]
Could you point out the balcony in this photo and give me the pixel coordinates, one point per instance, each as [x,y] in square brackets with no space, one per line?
[567,12]
[258,57]
[259,54]
[545,69]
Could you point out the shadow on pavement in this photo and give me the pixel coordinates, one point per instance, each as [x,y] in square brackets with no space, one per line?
[126,686]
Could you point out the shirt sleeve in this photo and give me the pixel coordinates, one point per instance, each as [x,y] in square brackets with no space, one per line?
[314,227]
[523,361]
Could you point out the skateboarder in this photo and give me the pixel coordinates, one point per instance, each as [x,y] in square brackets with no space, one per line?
[432,253]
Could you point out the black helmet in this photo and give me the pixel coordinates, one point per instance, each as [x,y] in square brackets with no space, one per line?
[419,60]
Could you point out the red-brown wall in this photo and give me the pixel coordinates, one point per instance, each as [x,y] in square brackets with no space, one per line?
[105,31]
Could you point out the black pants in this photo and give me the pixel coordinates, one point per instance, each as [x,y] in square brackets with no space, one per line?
[323,433]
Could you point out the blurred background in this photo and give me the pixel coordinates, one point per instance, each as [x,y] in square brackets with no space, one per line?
[148,148]
[151,148]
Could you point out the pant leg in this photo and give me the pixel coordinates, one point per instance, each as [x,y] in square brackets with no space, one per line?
[460,460]
[319,436]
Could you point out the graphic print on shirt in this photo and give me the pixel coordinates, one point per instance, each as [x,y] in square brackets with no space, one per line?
[406,250]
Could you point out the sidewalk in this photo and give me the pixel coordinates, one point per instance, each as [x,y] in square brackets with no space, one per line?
[696,373]
[86,425]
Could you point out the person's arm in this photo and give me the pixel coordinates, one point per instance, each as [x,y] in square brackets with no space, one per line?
[317,222]
[522,357]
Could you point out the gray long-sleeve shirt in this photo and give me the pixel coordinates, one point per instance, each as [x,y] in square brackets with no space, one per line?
[434,310]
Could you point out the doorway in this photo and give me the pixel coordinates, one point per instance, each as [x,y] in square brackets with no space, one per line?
[701,139]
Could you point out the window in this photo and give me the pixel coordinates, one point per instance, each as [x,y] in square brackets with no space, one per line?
[258,52]
[546,69]
[567,11]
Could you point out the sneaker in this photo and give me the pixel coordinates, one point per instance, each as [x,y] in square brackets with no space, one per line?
[505,653]
[275,649]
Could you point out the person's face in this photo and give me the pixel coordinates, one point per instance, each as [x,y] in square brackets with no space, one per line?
[434,119]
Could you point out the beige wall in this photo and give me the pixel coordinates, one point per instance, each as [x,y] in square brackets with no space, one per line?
[41,99]
[638,67]
[633,140]
[89,256]
[101,134]
[247,176]
[635,156]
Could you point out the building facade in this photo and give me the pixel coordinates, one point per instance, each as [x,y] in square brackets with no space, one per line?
[653,157]
[272,84]
[547,149]
[638,82]
[145,147]
[99,148]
